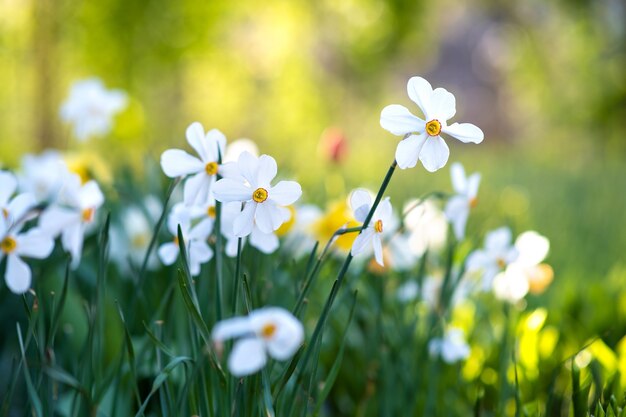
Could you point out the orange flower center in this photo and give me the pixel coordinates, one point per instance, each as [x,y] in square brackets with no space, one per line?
[211,212]
[378,226]
[211,168]
[268,330]
[433,128]
[8,244]
[5,213]
[473,202]
[501,263]
[259,195]
[88,214]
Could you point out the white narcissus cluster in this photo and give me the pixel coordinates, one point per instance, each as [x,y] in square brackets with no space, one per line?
[269,331]
[422,140]
[90,108]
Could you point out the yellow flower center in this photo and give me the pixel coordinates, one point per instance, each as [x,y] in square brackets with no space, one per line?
[88,215]
[378,226]
[211,168]
[140,240]
[176,242]
[5,213]
[259,195]
[473,202]
[211,212]
[8,244]
[501,263]
[433,128]
[268,330]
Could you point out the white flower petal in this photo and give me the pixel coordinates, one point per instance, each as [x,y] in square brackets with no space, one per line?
[230,170]
[269,216]
[230,328]
[285,193]
[196,189]
[384,212]
[362,241]
[8,185]
[34,244]
[248,167]
[533,248]
[72,241]
[20,205]
[168,252]
[442,105]
[202,230]
[55,219]
[195,138]
[457,211]
[17,275]
[420,92]
[227,190]
[248,356]
[459,181]
[265,242]
[434,154]
[465,132]
[400,121]
[288,331]
[242,226]
[360,202]
[266,171]
[217,144]
[498,239]
[199,252]
[473,182]
[176,162]
[408,150]
[90,195]
[378,249]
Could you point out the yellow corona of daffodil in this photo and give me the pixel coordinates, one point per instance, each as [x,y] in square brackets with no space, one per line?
[88,166]
[337,215]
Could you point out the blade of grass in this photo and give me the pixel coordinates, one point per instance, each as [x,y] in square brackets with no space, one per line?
[35,402]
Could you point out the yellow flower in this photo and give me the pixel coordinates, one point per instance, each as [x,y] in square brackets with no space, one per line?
[88,166]
[288,225]
[336,216]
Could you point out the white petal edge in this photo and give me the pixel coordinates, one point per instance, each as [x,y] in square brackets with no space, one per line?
[434,153]
[408,150]
[465,132]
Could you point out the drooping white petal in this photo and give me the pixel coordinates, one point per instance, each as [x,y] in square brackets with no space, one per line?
[378,249]
[267,170]
[400,121]
[248,356]
[168,252]
[360,202]
[242,226]
[227,190]
[442,105]
[265,242]
[248,167]
[230,328]
[408,150]
[8,185]
[269,216]
[72,241]
[285,193]
[195,138]
[420,92]
[17,275]
[434,154]
[176,162]
[90,195]
[34,244]
[459,181]
[465,132]
[457,212]
[362,241]
[196,190]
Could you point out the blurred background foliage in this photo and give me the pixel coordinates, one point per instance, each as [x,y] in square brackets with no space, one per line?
[544,79]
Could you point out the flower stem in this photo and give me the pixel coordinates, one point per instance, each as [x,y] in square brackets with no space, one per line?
[218,260]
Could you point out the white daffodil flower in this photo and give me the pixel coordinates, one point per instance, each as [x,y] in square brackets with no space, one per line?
[90,108]
[458,207]
[452,347]
[496,255]
[203,169]
[271,331]
[265,242]
[361,204]
[422,137]
[427,225]
[15,246]
[198,250]
[72,214]
[263,204]
[13,209]
[43,175]
[526,272]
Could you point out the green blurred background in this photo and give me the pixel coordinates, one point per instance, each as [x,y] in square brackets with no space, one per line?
[545,80]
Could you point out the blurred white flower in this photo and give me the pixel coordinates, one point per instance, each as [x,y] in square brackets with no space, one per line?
[458,207]
[496,255]
[14,246]
[203,170]
[427,225]
[408,291]
[398,253]
[271,331]
[361,204]
[43,175]
[13,209]
[198,250]
[71,215]
[239,146]
[452,347]
[299,239]
[423,141]
[90,108]
[263,204]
